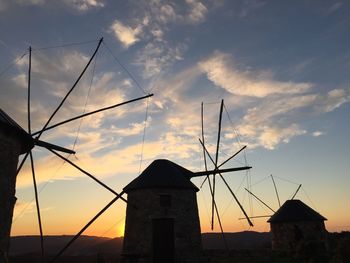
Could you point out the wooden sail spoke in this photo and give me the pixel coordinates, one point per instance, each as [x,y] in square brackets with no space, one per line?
[88,174]
[37,204]
[232,156]
[296,192]
[53,146]
[274,185]
[22,162]
[261,201]
[90,113]
[85,227]
[237,201]
[29,76]
[252,217]
[72,88]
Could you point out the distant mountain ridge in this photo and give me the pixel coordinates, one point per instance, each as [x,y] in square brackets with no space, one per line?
[87,245]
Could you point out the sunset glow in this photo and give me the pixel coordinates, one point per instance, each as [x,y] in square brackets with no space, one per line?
[281,67]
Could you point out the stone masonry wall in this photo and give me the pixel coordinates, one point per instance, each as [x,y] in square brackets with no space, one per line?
[9,152]
[138,227]
[292,236]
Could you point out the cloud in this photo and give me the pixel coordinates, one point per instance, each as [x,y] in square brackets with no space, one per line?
[197,11]
[317,133]
[249,6]
[166,13]
[334,99]
[126,35]
[224,73]
[31,2]
[335,7]
[155,57]
[272,136]
[84,5]
[153,20]
[5,4]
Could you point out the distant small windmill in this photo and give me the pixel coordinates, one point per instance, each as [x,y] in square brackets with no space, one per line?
[294,225]
[14,141]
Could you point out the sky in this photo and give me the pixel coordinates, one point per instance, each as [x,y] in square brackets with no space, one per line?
[282,68]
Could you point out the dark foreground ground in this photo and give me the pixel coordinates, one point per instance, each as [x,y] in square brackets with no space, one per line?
[249,247]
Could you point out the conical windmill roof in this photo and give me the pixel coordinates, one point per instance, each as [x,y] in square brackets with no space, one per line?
[11,126]
[293,211]
[163,174]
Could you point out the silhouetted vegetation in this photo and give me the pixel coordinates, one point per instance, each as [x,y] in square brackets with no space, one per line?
[247,247]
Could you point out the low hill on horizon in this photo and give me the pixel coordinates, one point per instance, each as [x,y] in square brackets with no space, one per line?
[87,245]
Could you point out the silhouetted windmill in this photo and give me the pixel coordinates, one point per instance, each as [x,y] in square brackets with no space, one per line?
[162,222]
[14,141]
[211,175]
[294,225]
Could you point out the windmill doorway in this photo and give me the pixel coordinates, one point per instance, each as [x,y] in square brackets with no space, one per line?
[163,240]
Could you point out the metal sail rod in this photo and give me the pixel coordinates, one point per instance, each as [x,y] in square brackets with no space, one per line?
[219,134]
[216,160]
[232,156]
[211,194]
[29,80]
[204,156]
[53,146]
[37,205]
[213,203]
[239,204]
[72,88]
[205,148]
[90,113]
[22,162]
[243,218]
[261,201]
[205,179]
[88,174]
[274,185]
[216,171]
[202,121]
[85,227]
[221,228]
[296,192]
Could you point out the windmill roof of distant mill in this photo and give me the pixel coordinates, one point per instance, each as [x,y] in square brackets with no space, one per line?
[163,173]
[7,123]
[294,211]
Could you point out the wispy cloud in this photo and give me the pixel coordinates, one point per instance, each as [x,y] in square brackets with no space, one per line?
[150,26]
[84,5]
[30,2]
[198,11]
[79,5]
[334,99]
[125,34]
[249,6]
[317,133]
[157,56]
[335,7]
[222,71]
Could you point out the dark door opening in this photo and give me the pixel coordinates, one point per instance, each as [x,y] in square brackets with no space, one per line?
[163,240]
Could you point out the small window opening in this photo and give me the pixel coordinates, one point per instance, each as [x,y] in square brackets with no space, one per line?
[165,200]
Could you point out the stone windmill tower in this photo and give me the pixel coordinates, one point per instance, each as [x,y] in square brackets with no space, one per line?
[162,222]
[14,141]
[296,225]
